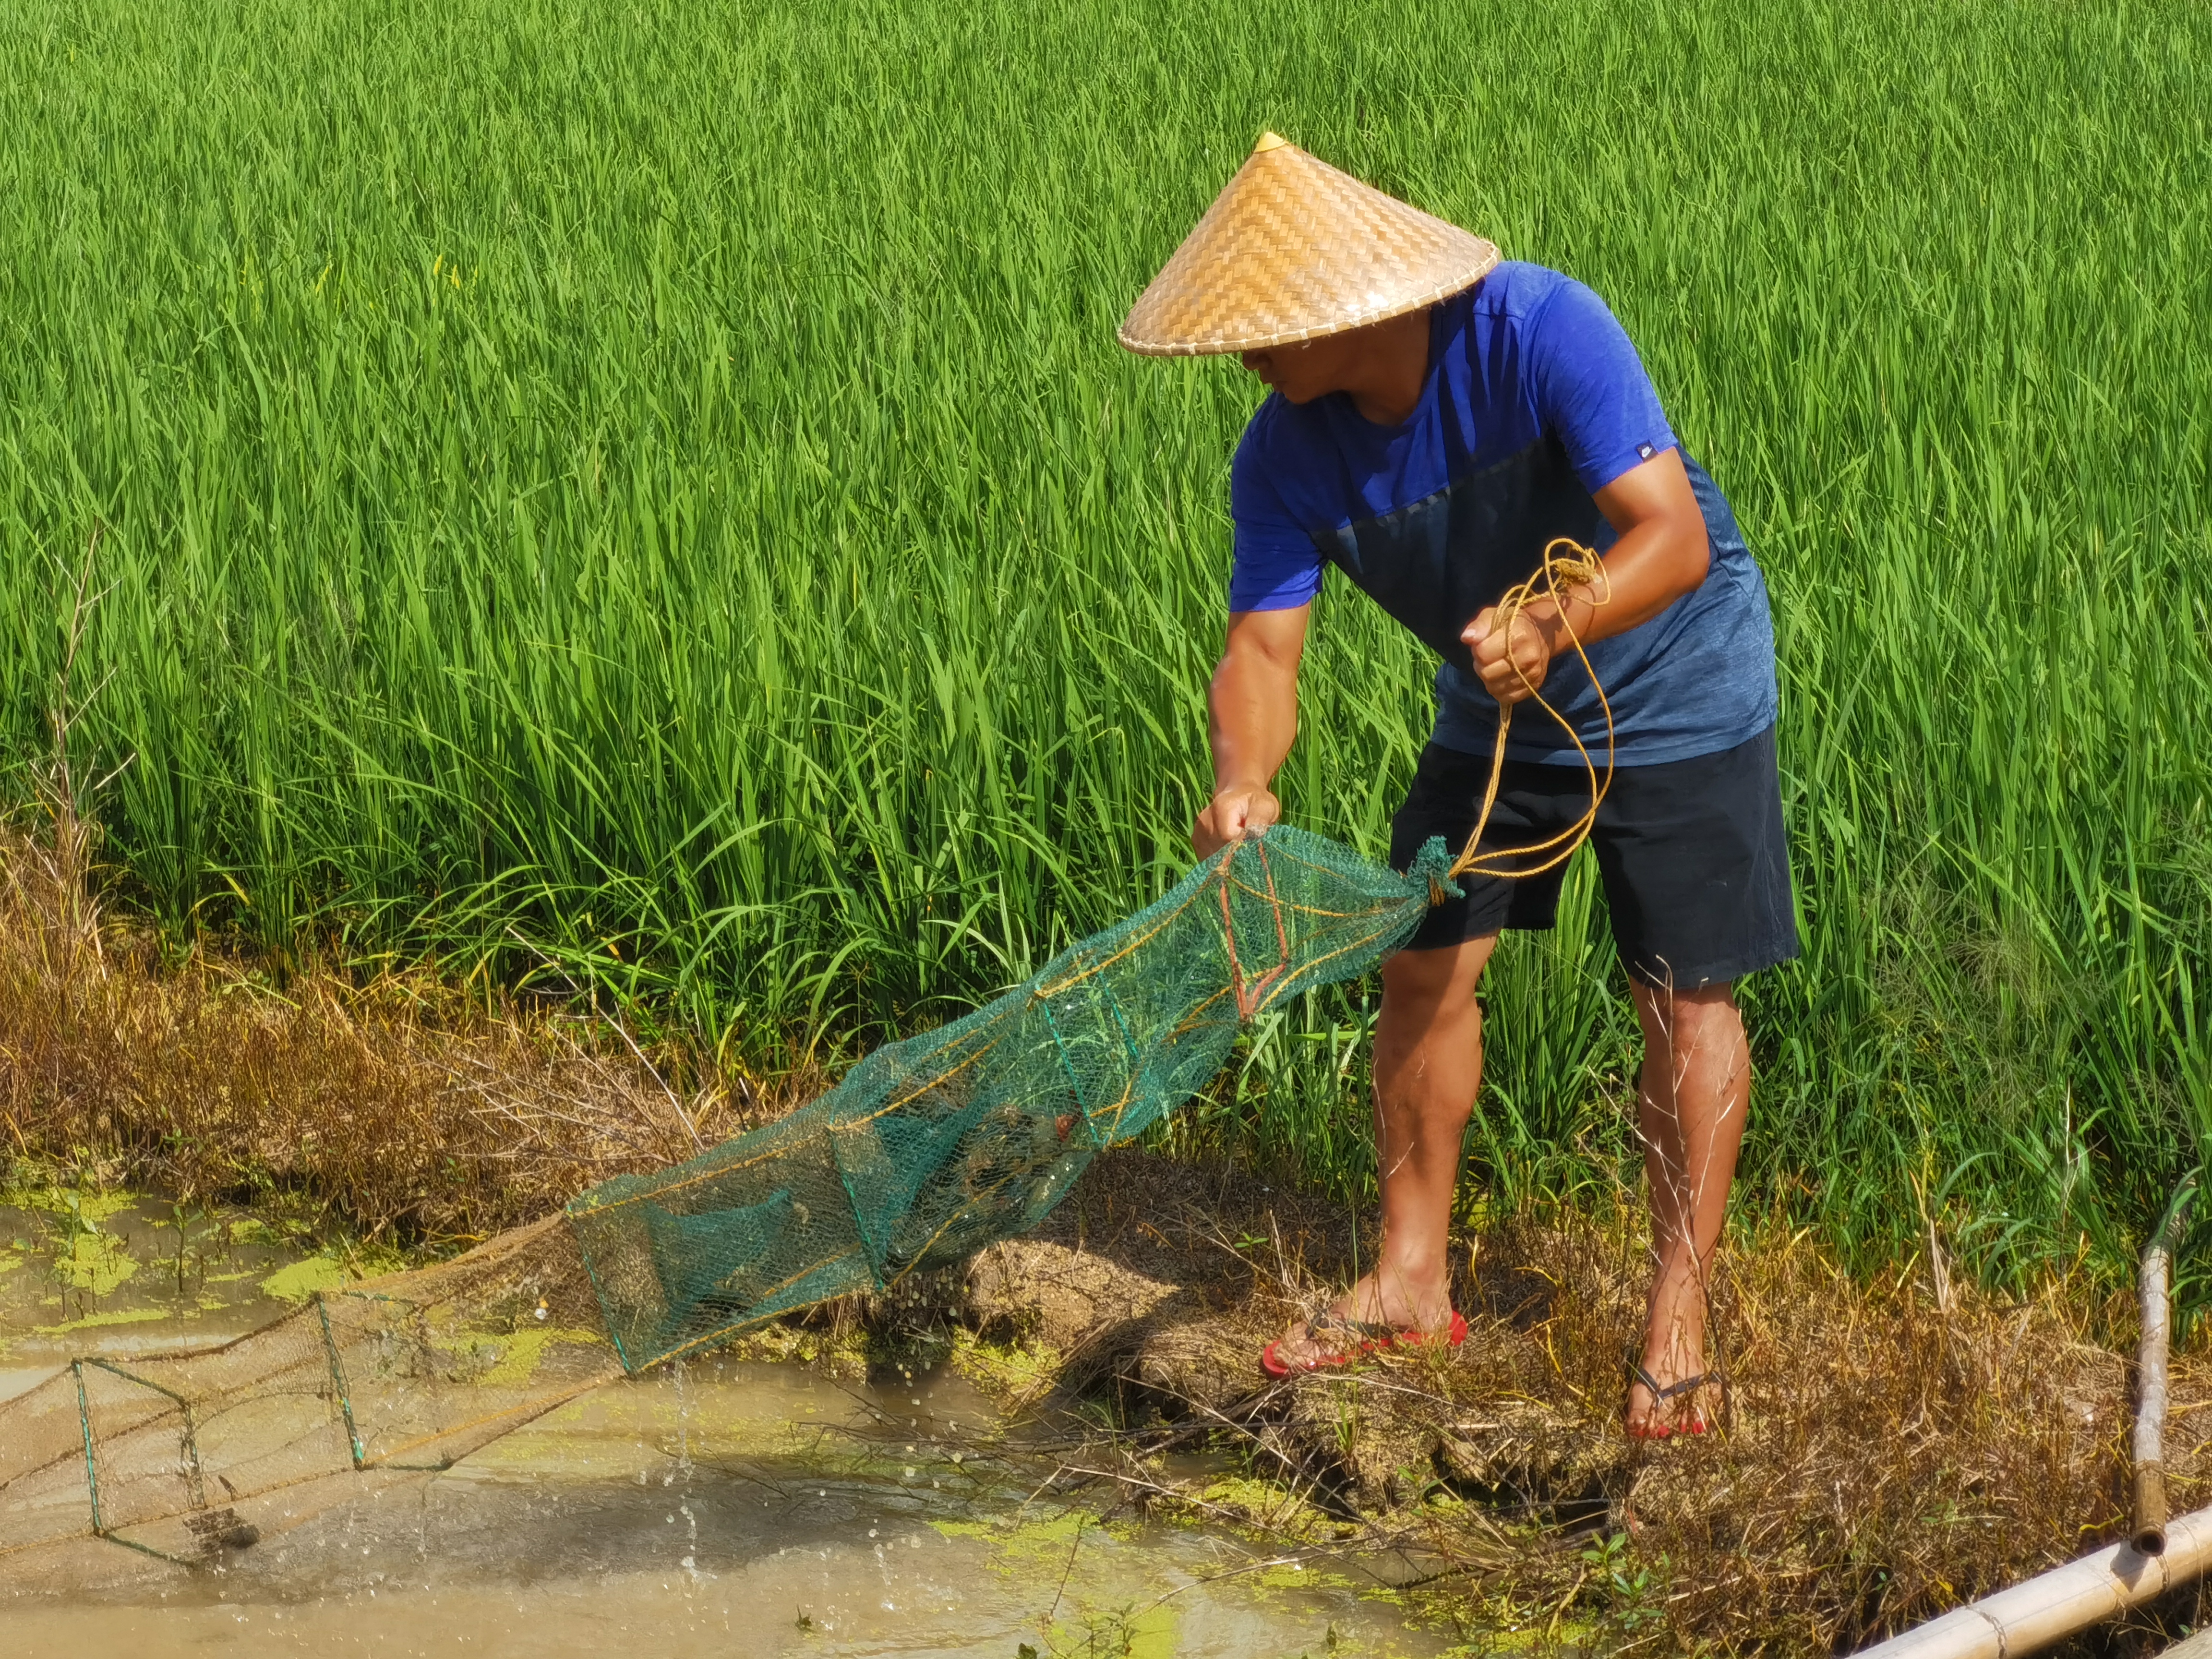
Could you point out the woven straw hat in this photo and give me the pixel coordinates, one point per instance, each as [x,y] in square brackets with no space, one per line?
[1292,250]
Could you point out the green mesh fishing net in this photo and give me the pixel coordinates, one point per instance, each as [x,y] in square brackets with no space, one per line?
[928,1149]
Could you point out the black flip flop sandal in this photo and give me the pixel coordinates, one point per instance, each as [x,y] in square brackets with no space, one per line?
[1660,1397]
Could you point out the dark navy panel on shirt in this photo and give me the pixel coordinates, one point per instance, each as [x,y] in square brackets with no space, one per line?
[1535,399]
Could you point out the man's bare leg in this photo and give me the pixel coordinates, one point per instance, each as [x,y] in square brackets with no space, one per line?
[1691,1098]
[1428,1066]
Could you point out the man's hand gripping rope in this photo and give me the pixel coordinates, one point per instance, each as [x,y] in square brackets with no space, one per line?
[1566,564]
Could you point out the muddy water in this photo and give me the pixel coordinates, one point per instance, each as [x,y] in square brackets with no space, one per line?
[730,1509]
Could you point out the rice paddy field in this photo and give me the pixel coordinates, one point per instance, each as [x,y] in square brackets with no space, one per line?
[644,501]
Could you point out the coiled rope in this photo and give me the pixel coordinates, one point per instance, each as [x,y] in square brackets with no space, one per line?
[1576,567]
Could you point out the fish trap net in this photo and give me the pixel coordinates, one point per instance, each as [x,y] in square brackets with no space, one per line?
[929,1149]
[185,1454]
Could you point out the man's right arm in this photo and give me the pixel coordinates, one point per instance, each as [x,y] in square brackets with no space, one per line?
[1252,716]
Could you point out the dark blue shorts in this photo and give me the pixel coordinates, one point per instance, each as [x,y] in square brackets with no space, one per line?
[1691,853]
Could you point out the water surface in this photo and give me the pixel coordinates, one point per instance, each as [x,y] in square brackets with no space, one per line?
[725,1507]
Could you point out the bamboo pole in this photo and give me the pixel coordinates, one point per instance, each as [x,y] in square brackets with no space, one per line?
[2059,1603]
[2148,1532]
[2159,1554]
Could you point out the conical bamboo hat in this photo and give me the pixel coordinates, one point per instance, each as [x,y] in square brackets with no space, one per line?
[1292,250]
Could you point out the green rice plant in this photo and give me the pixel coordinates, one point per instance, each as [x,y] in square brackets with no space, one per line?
[647,501]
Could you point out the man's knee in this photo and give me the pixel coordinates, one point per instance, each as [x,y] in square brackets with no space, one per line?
[1435,979]
[1689,1016]
[1705,1001]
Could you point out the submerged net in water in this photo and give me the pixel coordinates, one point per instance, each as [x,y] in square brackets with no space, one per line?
[928,1149]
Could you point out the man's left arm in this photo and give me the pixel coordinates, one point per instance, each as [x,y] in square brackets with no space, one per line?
[1661,554]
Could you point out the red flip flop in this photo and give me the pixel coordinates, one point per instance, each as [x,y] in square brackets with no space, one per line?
[1366,1339]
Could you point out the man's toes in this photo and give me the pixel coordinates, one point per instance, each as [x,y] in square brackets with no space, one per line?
[1637,1419]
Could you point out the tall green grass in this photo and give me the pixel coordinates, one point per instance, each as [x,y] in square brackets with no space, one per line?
[652,490]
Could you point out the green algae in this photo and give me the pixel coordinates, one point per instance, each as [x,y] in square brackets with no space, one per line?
[1024,1546]
[525,1350]
[1296,1575]
[95,1262]
[303,1278]
[842,1354]
[1011,1370]
[67,1202]
[1047,1549]
[94,1321]
[1262,1506]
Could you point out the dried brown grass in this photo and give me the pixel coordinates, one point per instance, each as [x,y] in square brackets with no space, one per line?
[400,1103]
[1897,1446]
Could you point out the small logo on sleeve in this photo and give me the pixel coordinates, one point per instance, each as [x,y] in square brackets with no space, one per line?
[1644,452]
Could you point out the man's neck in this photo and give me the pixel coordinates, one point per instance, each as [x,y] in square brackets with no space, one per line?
[1386,388]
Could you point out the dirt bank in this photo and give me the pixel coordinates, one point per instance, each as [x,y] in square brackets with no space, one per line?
[1890,1452]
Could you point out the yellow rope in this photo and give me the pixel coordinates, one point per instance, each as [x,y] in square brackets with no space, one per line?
[1578,567]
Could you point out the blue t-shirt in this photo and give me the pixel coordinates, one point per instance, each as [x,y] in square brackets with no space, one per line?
[1535,401]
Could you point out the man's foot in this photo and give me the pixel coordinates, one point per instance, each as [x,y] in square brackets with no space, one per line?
[1661,1407]
[1365,1318]
[1673,1394]
[1328,1344]
[1671,1389]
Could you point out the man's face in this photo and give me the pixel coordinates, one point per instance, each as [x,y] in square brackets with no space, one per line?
[1308,370]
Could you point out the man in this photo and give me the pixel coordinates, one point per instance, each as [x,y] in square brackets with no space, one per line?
[1436,419]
